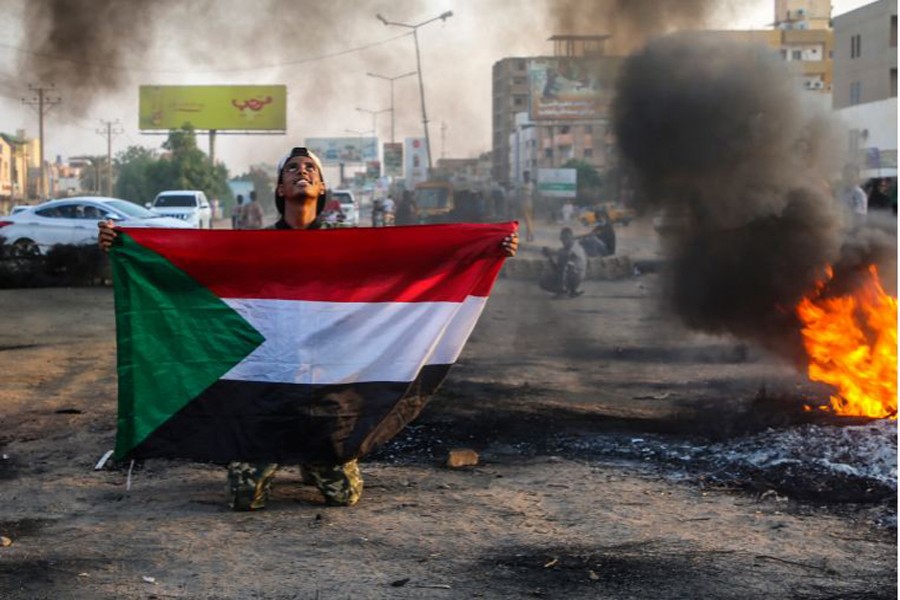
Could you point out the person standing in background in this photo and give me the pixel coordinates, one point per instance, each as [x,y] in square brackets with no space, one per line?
[252,213]
[526,205]
[236,212]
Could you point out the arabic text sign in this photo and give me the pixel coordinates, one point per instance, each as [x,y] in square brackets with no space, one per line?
[220,107]
[565,88]
[393,159]
[557,183]
[344,150]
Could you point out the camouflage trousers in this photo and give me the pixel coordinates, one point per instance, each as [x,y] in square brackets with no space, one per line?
[249,483]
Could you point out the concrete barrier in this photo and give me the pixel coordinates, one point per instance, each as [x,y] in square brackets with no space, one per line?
[598,269]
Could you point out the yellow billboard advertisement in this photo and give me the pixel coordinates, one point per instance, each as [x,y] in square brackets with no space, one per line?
[219,107]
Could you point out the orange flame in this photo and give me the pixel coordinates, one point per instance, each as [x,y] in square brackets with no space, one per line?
[852,346]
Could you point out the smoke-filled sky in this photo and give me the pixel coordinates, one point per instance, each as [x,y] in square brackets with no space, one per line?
[97,52]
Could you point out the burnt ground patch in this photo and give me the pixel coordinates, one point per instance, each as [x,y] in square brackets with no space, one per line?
[765,443]
[630,570]
[46,579]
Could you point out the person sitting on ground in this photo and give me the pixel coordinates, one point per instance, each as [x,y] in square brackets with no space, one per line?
[568,266]
[601,241]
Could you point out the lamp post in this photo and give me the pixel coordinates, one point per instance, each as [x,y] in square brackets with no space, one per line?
[415,30]
[391,80]
[374,114]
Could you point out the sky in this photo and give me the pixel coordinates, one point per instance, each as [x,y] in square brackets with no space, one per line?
[96,54]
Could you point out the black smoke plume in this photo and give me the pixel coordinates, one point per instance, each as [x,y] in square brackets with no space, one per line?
[724,147]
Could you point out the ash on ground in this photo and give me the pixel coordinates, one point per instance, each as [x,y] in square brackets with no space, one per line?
[829,465]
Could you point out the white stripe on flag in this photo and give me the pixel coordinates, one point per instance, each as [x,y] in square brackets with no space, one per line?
[349,342]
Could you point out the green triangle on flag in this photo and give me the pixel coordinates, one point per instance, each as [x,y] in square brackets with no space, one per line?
[174,338]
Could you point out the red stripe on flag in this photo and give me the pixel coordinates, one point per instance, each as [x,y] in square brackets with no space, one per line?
[427,263]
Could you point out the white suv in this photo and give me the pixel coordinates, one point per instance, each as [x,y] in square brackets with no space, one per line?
[191,206]
[349,206]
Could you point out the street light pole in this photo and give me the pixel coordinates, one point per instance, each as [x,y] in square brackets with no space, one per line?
[392,80]
[415,29]
[374,114]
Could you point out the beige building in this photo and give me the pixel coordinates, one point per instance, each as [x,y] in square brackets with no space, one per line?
[19,169]
[807,51]
[802,14]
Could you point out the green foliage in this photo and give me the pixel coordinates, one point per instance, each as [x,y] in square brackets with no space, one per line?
[143,173]
[93,178]
[134,166]
[590,181]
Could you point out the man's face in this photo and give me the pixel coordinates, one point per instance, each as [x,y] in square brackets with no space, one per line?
[300,178]
[567,238]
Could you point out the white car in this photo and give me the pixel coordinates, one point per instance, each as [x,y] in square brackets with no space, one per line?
[73,221]
[349,206]
[191,206]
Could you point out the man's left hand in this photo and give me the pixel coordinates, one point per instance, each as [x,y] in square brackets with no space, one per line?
[510,244]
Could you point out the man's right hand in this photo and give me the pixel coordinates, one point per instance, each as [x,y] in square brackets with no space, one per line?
[107,235]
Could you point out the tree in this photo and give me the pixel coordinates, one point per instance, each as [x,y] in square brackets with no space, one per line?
[93,174]
[143,173]
[590,182]
[133,166]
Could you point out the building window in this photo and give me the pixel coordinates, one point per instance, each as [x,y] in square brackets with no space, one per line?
[855,92]
[518,101]
[784,54]
[893,31]
[855,46]
[588,152]
[893,83]
[564,129]
[796,54]
[518,80]
[520,65]
[548,153]
[589,129]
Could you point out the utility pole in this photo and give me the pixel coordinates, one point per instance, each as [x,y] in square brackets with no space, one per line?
[43,103]
[443,139]
[415,30]
[108,131]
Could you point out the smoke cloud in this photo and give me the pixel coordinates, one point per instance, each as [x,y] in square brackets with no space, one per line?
[724,146]
[629,22]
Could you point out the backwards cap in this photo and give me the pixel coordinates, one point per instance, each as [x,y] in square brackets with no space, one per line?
[299,151]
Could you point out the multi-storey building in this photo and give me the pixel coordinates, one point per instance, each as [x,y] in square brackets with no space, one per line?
[549,109]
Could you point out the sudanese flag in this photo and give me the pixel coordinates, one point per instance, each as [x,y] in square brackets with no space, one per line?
[290,346]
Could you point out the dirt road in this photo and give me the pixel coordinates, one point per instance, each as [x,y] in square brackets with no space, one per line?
[540,516]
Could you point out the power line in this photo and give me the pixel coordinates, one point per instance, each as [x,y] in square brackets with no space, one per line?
[110,67]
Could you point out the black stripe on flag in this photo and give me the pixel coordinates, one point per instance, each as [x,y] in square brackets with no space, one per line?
[290,423]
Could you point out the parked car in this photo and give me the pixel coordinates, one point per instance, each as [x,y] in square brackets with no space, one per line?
[191,206]
[349,206]
[73,221]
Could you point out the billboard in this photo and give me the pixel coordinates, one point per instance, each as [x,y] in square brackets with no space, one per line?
[557,183]
[344,150]
[569,88]
[219,107]
[393,159]
[415,163]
